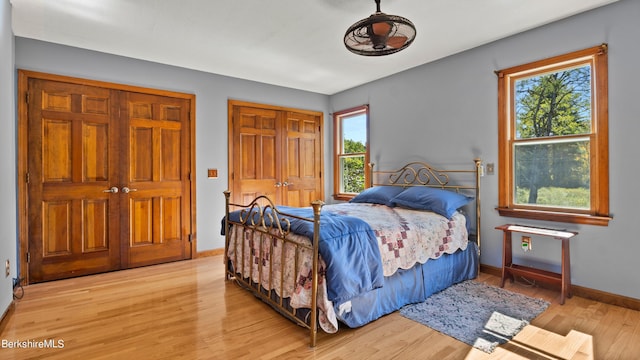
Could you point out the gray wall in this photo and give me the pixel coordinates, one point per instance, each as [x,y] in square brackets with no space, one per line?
[8,158]
[446,112]
[212,92]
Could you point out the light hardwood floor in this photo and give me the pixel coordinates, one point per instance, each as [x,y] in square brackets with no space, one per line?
[185,310]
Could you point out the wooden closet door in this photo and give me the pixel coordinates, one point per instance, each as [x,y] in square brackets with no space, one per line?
[155,178]
[276,152]
[73,163]
[302,166]
[108,178]
[255,147]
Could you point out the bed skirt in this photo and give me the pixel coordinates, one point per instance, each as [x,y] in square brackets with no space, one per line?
[410,286]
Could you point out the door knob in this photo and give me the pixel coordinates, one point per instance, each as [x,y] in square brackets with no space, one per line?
[112,190]
[126,190]
[278,184]
[286,183]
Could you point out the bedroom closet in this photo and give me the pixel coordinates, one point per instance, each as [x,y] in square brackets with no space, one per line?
[107,172]
[275,151]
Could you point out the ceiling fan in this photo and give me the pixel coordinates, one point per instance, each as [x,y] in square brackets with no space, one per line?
[379,34]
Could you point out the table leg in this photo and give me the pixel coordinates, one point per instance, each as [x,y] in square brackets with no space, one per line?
[506,255]
[566,272]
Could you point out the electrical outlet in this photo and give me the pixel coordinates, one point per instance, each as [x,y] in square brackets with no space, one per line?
[526,243]
[491,168]
[7,269]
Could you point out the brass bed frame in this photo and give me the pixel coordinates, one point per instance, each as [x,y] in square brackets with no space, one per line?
[262,217]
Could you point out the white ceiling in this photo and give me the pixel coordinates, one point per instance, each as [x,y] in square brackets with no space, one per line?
[292,43]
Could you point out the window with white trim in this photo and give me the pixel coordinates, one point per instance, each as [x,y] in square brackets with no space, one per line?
[351,151]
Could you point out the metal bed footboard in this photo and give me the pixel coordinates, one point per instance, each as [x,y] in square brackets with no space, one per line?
[262,220]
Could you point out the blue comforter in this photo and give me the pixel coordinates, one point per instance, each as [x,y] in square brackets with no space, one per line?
[349,248]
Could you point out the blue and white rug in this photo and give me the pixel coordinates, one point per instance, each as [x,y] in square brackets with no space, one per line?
[477,314]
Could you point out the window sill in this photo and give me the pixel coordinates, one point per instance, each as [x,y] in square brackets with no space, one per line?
[343,197]
[585,219]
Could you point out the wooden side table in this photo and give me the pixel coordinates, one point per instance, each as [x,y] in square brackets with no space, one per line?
[509,269]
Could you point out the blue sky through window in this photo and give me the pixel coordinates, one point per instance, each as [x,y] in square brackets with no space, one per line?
[355,128]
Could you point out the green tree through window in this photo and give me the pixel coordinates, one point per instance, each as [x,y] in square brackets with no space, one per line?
[351,152]
[552,108]
[353,167]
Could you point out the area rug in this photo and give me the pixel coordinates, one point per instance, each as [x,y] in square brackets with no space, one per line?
[475,313]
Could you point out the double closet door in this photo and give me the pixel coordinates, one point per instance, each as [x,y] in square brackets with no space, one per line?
[276,152]
[108,179]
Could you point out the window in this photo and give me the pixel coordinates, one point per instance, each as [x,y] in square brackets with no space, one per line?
[553,139]
[351,152]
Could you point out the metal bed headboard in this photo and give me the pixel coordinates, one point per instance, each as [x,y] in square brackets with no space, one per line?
[420,173]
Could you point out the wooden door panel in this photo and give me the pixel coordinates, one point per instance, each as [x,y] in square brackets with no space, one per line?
[303,167]
[95,214]
[60,218]
[56,224]
[95,144]
[171,219]
[249,165]
[156,229]
[146,212]
[255,154]
[56,98]
[141,220]
[258,157]
[140,161]
[72,140]
[158,175]
[301,197]
[257,169]
[170,159]
[56,151]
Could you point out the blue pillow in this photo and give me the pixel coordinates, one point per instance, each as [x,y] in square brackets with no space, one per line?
[377,195]
[442,202]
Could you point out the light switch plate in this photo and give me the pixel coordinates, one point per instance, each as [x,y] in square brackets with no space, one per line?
[491,169]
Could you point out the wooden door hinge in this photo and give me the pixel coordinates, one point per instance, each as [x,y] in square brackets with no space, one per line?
[28,257]
[27,178]
[190,237]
